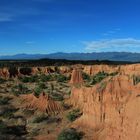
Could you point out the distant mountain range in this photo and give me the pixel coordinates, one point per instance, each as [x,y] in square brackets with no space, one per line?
[112,56]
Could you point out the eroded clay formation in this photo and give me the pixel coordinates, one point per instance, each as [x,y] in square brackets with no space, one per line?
[110,109]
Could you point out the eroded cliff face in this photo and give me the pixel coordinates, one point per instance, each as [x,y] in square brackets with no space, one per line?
[92,70]
[65,69]
[109,109]
[76,77]
[44,103]
[4,73]
[133,69]
[130,69]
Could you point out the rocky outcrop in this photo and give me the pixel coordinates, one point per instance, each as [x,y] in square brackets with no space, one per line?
[76,77]
[44,103]
[109,109]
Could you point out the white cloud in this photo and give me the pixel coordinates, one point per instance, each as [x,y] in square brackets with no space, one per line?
[112,44]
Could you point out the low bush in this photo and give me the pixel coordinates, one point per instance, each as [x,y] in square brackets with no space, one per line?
[86,76]
[65,106]
[61,78]
[30,79]
[136,79]
[4,100]
[45,78]
[73,115]
[3,127]
[19,89]
[8,113]
[113,74]
[38,91]
[70,134]
[98,77]
[42,85]
[2,80]
[6,130]
[40,119]
[57,96]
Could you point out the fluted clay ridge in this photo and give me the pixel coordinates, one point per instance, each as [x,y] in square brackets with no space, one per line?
[44,103]
[76,77]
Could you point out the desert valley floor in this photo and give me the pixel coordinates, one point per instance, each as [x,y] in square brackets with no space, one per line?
[72,102]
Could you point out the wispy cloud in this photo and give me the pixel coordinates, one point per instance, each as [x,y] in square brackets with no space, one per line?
[30,43]
[124,44]
[111,32]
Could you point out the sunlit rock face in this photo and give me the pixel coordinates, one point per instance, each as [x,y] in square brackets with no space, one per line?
[76,77]
[110,109]
[43,103]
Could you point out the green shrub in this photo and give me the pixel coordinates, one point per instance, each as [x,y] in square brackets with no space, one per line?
[40,119]
[3,127]
[19,89]
[30,79]
[61,78]
[24,79]
[42,85]
[65,106]
[57,97]
[70,134]
[113,74]
[86,76]
[136,79]
[98,77]
[33,78]
[38,91]
[4,100]
[102,86]
[45,78]
[2,80]
[73,115]
[8,113]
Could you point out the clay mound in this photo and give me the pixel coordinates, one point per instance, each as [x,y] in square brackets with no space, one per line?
[44,103]
[109,109]
[76,77]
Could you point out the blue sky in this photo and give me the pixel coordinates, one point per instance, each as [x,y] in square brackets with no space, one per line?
[48,26]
